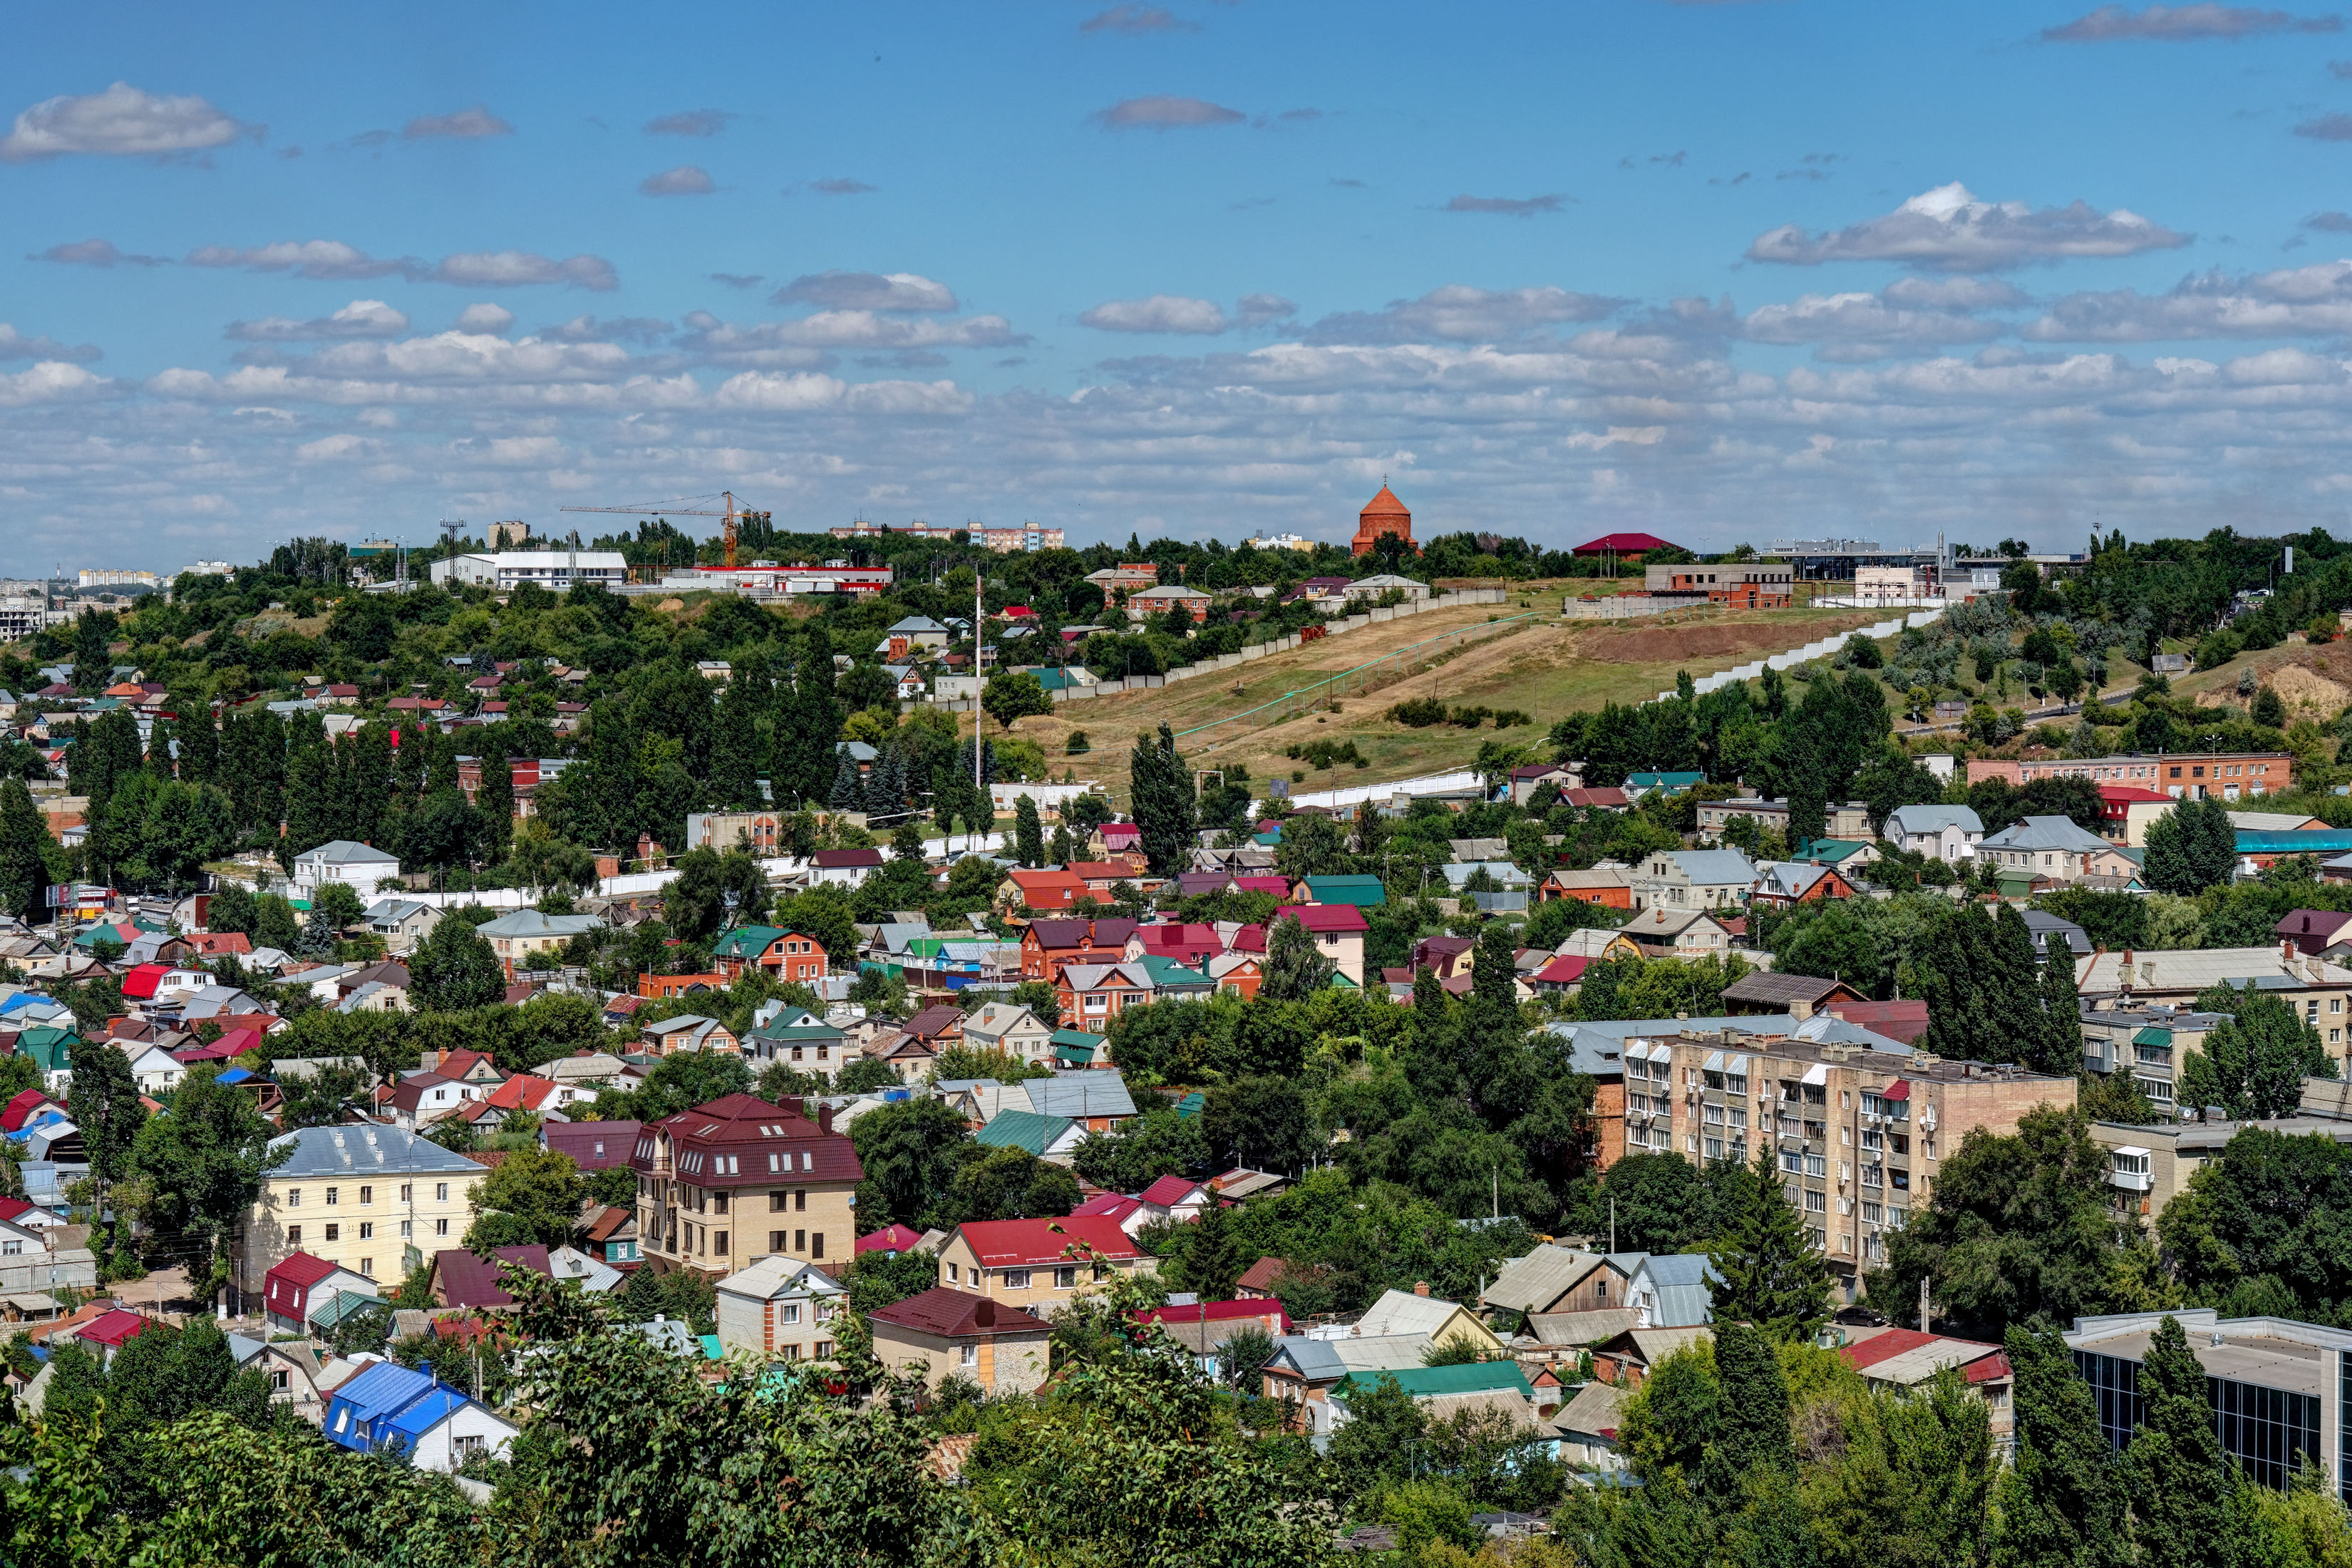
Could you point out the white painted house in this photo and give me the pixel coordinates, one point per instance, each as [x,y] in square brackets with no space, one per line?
[358,867]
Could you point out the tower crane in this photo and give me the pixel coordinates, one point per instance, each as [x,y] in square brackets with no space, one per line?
[674,508]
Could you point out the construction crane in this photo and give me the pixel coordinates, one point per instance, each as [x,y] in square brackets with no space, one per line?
[674,508]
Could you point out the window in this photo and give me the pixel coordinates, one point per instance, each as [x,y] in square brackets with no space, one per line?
[333,1232]
[718,1242]
[808,1159]
[440,1192]
[1016,1280]
[1816,1203]
[408,1228]
[367,1266]
[293,1235]
[776,1200]
[293,1197]
[952,1276]
[800,1200]
[824,1348]
[967,1355]
[367,1230]
[440,1227]
[776,1243]
[1065,1279]
[280,1380]
[331,1193]
[718,1202]
[367,1194]
[791,1313]
[408,1190]
[816,1244]
[800,1244]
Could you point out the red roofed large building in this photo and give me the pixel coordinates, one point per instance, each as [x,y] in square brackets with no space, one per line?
[1338,930]
[1048,945]
[956,1334]
[719,1181]
[1050,890]
[1039,1264]
[1383,514]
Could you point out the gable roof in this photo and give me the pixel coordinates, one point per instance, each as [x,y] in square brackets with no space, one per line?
[1712,868]
[1042,1243]
[1024,1130]
[468,1279]
[955,1314]
[1927,818]
[373,1150]
[1404,1312]
[2045,833]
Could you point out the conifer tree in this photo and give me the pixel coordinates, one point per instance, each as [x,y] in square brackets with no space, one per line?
[2192,847]
[2058,1040]
[1028,831]
[456,968]
[733,784]
[199,740]
[1064,850]
[1752,1431]
[848,793]
[1161,796]
[2061,1502]
[24,875]
[161,760]
[494,795]
[2180,1478]
[2012,984]
[1770,1275]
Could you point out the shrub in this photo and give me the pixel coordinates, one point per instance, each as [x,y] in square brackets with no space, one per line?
[1078,744]
[1419,712]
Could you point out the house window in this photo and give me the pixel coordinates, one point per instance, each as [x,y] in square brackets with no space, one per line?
[953,1277]
[800,1241]
[333,1232]
[776,1243]
[408,1189]
[367,1194]
[440,1227]
[441,1192]
[367,1230]
[718,1243]
[367,1266]
[293,1235]
[800,1200]
[1016,1280]
[816,1244]
[967,1355]
[293,1197]
[408,1228]
[792,1312]
[280,1380]
[777,1202]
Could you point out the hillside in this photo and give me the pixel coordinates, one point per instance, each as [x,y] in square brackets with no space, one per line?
[1545,668]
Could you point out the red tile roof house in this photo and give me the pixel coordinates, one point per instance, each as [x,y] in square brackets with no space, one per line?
[890,1240]
[938,1027]
[1049,944]
[107,1332]
[1039,1264]
[1338,930]
[214,943]
[300,1285]
[1258,1280]
[1186,944]
[1131,1215]
[1176,1197]
[952,1333]
[460,1279]
[1047,892]
[1101,876]
[844,867]
[723,1178]
[593,1145]
[1905,1358]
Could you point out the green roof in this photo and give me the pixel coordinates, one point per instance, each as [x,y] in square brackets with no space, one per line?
[1361,891]
[1423,1381]
[2152,1035]
[1077,1047]
[746,941]
[797,1023]
[1023,1130]
[1339,982]
[348,1303]
[52,1048]
[1167,971]
[1078,1037]
[1190,1105]
[1830,851]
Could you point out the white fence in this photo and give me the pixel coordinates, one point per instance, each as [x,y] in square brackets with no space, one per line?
[1811,650]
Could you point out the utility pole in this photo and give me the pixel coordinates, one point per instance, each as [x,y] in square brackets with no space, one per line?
[1612,1223]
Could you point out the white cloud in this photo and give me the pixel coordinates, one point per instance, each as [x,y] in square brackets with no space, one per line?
[2180,24]
[1949,230]
[525,450]
[776,344]
[16,345]
[50,382]
[121,121]
[359,319]
[465,125]
[485,318]
[1459,313]
[1165,113]
[342,446]
[513,269]
[894,292]
[1850,321]
[1509,206]
[100,253]
[2296,303]
[686,180]
[329,261]
[1160,313]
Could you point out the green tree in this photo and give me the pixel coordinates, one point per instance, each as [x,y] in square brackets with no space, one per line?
[2061,1504]
[2180,1479]
[2268,709]
[1012,695]
[1160,791]
[905,1150]
[104,1102]
[2253,1065]
[233,908]
[338,905]
[733,784]
[1769,1273]
[1312,845]
[199,1169]
[274,924]
[541,1188]
[454,968]
[1260,1123]
[2192,847]
[24,873]
[1028,833]
[1294,966]
[1752,1435]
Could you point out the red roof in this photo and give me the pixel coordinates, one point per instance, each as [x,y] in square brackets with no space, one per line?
[1278,886]
[934,1021]
[1606,797]
[139,984]
[838,859]
[1041,1243]
[111,1328]
[757,1137]
[1121,835]
[285,1289]
[889,1239]
[214,942]
[467,1281]
[1326,917]
[1176,940]
[1905,1021]
[2322,923]
[1114,1206]
[1262,1275]
[1270,1313]
[956,1314]
[2125,794]
[23,1108]
[1073,935]
[1170,1191]
[1049,890]
[1566,969]
[593,1145]
[1622,544]
[10,1208]
[521,1092]
[1988,1361]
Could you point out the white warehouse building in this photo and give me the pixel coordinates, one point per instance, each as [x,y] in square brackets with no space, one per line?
[550,569]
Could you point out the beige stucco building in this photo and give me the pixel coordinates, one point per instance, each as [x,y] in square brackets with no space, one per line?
[374,1199]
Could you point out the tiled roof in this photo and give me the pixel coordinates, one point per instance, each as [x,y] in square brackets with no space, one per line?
[1038,1243]
[1170,1191]
[468,1281]
[955,1314]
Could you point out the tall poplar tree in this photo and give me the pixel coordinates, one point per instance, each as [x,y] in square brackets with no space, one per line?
[24,875]
[2061,1501]
[1160,795]
[733,782]
[2180,1478]
[199,739]
[2057,1045]
[1028,831]
[494,796]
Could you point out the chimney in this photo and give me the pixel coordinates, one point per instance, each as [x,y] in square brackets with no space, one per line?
[984,1312]
[2286,950]
[1421,1286]
[825,1120]
[1801,1010]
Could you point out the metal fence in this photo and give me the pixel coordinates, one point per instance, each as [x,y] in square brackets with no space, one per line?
[1389,667]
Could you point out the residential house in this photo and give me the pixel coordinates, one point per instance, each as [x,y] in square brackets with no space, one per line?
[1851,820]
[358,867]
[1609,886]
[1204,1328]
[1038,1264]
[1304,1369]
[299,1286]
[1363,891]
[788,955]
[423,1097]
[1903,1359]
[2056,934]
[1011,1029]
[1662,933]
[2127,811]
[291,1370]
[402,923]
[1694,879]
[2316,989]
[515,937]
[1626,1359]
[1154,602]
[779,1306]
[1782,884]
[799,1036]
[430,1425]
[949,1333]
[843,868]
[1799,995]
[1338,930]
[689,1032]
[368,1198]
[1589,1424]
[1416,1311]
[939,1027]
[609,1231]
[1482,1388]
[2180,775]
[1045,890]
[782,1175]
[1638,785]
[1530,777]
[2051,847]
[1054,1138]
[2314,933]
[591,1145]
[458,1277]
[1552,1280]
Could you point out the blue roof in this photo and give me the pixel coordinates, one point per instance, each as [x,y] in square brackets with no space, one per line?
[2308,841]
[1665,781]
[421,1416]
[357,1415]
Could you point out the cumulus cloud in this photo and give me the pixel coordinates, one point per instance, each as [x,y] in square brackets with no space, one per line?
[1955,293]
[13,345]
[485,318]
[2180,23]
[514,268]
[465,125]
[1867,326]
[840,187]
[622,328]
[121,121]
[896,291]
[1160,313]
[686,180]
[1949,230]
[1459,313]
[325,260]
[739,280]
[2328,128]
[1137,19]
[51,381]
[2294,302]
[813,394]
[1165,113]
[690,123]
[359,319]
[1511,206]
[96,253]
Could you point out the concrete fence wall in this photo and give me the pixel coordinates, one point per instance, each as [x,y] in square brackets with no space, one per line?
[1811,650]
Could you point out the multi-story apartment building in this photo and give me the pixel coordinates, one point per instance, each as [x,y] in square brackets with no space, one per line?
[2229,774]
[1746,587]
[1694,879]
[2148,1166]
[2147,1043]
[1858,1123]
[370,1198]
[1851,820]
[2320,991]
[739,1179]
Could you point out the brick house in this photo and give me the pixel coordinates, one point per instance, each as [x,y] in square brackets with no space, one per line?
[714,1180]
[1038,1264]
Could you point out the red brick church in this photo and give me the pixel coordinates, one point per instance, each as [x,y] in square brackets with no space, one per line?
[1383,514]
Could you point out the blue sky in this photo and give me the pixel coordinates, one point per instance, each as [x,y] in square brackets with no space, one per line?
[1724,271]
